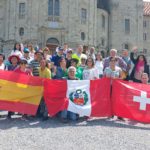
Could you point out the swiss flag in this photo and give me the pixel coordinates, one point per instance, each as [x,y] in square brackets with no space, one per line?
[131,100]
[84,97]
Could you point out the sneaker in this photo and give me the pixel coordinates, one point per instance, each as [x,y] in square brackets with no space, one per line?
[120,118]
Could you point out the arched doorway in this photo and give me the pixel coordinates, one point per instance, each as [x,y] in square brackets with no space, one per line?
[52,43]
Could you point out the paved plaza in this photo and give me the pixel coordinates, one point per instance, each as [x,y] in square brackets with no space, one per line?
[93,134]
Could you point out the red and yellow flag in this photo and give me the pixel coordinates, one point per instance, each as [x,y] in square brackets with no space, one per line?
[20,93]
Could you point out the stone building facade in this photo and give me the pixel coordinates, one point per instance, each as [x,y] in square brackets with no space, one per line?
[104,24]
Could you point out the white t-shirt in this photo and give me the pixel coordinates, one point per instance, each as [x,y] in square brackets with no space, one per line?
[99,66]
[108,72]
[2,67]
[17,53]
[90,74]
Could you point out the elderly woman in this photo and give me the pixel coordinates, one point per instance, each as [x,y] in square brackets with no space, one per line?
[67,115]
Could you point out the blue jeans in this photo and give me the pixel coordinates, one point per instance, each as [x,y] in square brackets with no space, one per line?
[68,115]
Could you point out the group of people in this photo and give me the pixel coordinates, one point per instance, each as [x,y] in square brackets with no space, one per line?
[69,64]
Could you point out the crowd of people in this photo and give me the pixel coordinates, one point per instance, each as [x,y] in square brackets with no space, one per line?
[69,64]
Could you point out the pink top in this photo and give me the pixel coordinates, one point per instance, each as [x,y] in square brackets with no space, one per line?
[27,71]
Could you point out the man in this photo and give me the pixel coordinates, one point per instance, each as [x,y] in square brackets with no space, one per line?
[126,58]
[92,53]
[56,58]
[26,55]
[78,53]
[120,62]
[60,72]
[144,78]
[35,64]
[69,57]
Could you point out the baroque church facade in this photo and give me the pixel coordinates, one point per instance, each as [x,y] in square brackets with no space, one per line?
[104,24]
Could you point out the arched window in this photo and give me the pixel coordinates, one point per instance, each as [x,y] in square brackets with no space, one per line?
[21,31]
[53,7]
[52,41]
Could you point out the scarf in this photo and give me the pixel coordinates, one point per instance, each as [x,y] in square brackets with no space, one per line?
[139,65]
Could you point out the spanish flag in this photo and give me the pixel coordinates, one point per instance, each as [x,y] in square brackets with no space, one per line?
[20,93]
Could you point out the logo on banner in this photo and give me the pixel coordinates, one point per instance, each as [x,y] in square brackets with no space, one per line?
[79,97]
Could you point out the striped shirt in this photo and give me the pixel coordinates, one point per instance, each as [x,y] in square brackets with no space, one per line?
[34,65]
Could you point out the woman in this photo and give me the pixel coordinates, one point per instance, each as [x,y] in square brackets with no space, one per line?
[83,62]
[140,66]
[66,115]
[99,64]
[23,68]
[31,50]
[2,65]
[90,72]
[46,53]
[44,72]
[113,71]
[17,50]
[79,70]
[14,61]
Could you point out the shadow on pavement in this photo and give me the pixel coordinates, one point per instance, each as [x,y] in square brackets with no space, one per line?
[17,122]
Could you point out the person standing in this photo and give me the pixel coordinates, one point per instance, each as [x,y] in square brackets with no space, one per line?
[119,61]
[140,66]
[90,72]
[99,64]
[44,72]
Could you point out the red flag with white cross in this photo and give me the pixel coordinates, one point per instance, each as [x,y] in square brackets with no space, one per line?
[131,100]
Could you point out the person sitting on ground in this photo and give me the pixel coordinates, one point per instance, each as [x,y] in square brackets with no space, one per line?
[68,115]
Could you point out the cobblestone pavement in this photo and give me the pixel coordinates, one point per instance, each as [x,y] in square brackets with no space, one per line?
[93,134]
